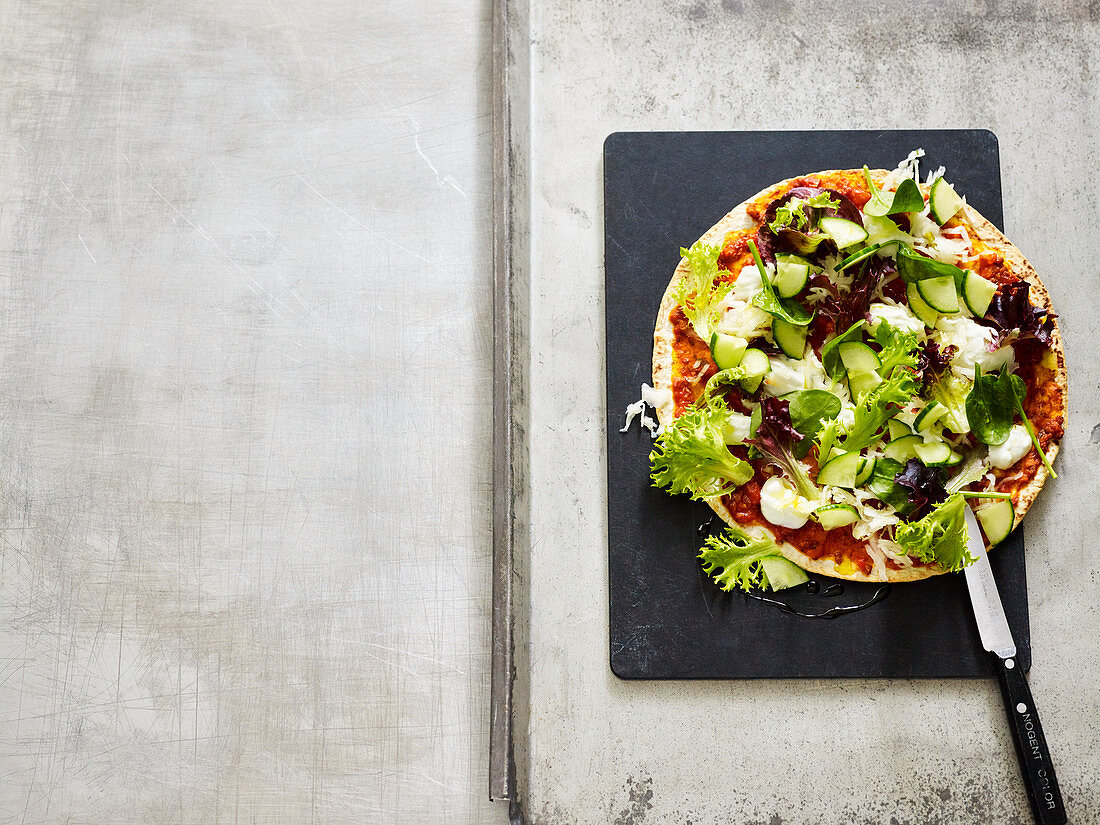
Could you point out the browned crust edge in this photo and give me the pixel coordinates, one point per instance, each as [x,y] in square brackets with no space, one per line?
[980,229]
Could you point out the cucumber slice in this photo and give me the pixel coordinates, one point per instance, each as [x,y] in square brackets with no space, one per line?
[860,383]
[940,293]
[781,573]
[904,448]
[858,357]
[997,520]
[840,471]
[832,516]
[929,416]
[978,293]
[830,356]
[913,267]
[861,255]
[728,350]
[916,303]
[944,200]
[790,278]
[897,429]
[789,338]
[954,459]
[843,231]
[756,366]
[933,453]
[866,470]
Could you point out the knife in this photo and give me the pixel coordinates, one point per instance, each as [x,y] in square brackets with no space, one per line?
[1027,733]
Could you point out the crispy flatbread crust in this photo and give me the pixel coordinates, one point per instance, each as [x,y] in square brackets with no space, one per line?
[979,229]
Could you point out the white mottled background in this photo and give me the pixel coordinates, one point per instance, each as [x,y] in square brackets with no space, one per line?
[245,368]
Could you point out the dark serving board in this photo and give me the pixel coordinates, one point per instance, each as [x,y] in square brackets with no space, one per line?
[662,190]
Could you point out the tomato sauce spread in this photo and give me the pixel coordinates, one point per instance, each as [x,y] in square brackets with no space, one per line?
[735,253]
[692,363]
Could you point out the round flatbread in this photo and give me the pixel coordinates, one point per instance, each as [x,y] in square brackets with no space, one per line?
[682,365]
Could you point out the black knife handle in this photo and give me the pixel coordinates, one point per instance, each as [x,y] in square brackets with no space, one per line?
[1031,745]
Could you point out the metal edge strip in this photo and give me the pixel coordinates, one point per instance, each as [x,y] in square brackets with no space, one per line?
[502,769]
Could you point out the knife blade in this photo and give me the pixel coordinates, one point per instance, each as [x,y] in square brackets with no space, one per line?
[996,636]
[984,596]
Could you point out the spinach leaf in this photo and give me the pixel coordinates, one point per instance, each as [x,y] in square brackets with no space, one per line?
[810,409]
[991,405]
[786,308]
[906,198]
[996,401]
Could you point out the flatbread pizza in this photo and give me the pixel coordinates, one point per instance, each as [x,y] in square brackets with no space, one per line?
[843,362]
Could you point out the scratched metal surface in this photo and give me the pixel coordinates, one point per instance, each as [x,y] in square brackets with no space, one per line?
[595,749]
[245,376]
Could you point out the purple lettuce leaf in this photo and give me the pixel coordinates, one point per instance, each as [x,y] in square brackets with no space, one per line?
[1011,311]
[853,306]
[932,361]
[775,439]
[924,485]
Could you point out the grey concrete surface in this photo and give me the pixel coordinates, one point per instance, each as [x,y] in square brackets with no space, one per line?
[245,371]
[599,750]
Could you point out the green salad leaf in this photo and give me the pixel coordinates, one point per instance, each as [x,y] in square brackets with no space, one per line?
[940,537]
[991,405]
[701,293]
[792,215]
[786,308]
[878,405]
[906,198]
[810,410]
[899,348]
[739,559]
[951,391]
[826,438]
[691,455]
[973,470]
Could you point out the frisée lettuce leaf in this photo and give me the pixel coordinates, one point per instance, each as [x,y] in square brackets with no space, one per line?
[898,347]
[740,559]
[938,537]
[691,455]
[879,405]
[701,293]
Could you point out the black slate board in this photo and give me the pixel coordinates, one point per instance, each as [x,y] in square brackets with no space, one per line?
[662,190]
